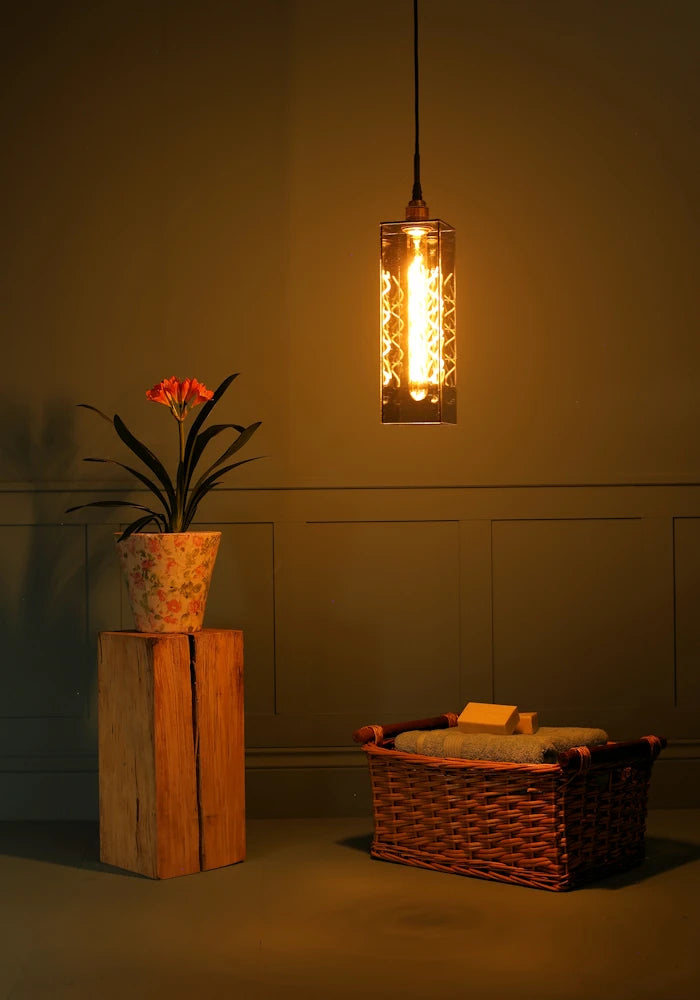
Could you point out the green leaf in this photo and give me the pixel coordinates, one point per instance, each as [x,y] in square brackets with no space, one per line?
[146,456]
[194,504]
[206,484]
[86,406]
[242,439]
[205,437]
[135,526]
[209,405]
[135,472]
[199,420]
[115,503]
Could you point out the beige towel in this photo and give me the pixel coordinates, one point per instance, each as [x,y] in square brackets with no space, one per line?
[451,742]
[539,748]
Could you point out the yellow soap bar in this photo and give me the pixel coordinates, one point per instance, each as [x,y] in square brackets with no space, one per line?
[485,718]
[527,723]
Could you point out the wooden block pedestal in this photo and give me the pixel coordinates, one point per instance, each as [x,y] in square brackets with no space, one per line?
[171,751]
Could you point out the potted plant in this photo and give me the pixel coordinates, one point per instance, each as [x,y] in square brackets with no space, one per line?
[168,568]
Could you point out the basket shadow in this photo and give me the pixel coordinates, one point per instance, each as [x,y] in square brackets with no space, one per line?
[361,842]
[662,854]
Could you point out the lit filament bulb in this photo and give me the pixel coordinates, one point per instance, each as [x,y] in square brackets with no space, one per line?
[423,323]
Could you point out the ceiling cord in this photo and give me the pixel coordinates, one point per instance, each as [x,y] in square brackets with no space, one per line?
[417,192]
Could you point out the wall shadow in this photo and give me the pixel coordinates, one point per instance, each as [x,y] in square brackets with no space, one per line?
[73,844]
[47,664]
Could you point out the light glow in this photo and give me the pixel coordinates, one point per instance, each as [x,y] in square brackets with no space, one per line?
[423,322]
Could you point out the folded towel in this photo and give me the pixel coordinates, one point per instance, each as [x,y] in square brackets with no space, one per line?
[452,742]
[539,748]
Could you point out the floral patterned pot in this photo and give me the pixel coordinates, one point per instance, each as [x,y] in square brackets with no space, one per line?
[168,577]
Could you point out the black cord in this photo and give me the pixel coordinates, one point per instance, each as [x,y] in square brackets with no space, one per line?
[417,192]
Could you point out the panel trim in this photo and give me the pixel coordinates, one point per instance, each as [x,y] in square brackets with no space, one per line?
[267,505]
[294,782]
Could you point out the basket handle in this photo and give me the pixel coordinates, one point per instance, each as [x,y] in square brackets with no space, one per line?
[607,755]
[378,734]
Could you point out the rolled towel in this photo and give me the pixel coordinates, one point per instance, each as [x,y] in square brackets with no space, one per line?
[566,737]
[476,746]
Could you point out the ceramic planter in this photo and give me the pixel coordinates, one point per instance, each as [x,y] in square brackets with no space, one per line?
[168,577]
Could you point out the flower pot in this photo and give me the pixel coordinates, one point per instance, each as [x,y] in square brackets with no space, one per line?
[168,577]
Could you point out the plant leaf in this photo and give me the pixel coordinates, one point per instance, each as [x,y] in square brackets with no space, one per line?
[147,457]
[139,475]
[86,406]
[136,525]
[206,484]
[208,406]
[205,437]
[242,439]
[115,503]
[199,420]
[194,504]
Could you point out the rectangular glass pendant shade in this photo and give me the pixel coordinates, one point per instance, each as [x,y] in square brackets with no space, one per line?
[419,348]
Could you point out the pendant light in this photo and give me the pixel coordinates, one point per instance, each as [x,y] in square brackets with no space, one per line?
[417,293]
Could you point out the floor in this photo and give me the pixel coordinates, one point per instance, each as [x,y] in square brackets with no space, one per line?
[309,914]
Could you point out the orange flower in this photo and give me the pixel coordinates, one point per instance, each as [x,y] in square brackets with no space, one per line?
[174,605]
[179,394]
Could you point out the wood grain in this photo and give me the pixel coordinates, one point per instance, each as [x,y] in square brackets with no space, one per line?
[127,781]
[171,751]
[176,781]
[220,731]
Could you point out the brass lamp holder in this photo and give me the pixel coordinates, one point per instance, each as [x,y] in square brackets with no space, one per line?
[417,210]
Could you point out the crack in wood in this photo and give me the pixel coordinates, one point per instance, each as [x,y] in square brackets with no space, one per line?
[195,743]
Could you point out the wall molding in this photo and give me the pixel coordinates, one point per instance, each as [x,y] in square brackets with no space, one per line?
[284,783]
[25,504]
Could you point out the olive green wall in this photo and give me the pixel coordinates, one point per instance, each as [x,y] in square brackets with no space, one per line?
[196,188]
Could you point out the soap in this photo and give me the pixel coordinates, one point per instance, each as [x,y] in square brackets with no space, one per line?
[485,718]
[527,723]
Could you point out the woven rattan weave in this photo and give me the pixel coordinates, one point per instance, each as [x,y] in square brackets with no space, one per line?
[549,826]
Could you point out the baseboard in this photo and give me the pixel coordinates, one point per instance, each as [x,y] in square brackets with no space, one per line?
[675,780]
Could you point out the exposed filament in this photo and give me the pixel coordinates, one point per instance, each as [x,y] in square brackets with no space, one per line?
[424,367]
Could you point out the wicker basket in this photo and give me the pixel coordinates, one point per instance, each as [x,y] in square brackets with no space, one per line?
[549,826]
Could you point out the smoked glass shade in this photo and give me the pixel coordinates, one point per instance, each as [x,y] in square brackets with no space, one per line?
[418,344]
